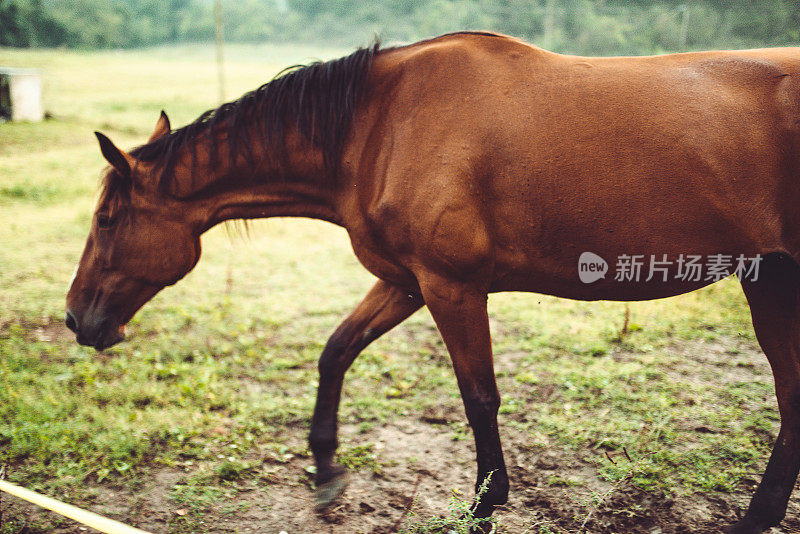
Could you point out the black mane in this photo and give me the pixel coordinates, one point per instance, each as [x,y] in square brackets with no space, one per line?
[318,99]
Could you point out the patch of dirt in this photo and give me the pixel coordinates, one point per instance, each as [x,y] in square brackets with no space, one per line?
[46,329]
[424,463]
[422,468]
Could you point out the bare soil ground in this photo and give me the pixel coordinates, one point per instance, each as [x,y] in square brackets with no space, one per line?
[421,463]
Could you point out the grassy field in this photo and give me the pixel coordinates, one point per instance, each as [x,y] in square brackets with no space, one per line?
[198,422]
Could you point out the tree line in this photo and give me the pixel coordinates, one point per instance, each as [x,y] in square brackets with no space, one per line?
[571,26]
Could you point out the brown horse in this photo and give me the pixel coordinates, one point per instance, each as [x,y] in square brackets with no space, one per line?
[474,163]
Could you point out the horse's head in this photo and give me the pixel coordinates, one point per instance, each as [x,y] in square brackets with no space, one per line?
[140,241]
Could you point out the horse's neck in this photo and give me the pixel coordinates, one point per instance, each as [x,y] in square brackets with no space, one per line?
[258,184]
[268,200]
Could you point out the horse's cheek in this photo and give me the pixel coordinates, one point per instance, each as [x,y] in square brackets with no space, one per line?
[184,255]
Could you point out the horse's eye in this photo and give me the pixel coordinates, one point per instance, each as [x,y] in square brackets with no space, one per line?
[103,220]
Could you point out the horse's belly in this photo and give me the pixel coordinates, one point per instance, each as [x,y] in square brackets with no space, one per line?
[613,260]
[570,285]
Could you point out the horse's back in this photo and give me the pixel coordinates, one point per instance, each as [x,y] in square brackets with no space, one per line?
[493,73]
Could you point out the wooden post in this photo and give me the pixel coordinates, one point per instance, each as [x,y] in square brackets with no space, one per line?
[549,24]
[684,9]
[220,57]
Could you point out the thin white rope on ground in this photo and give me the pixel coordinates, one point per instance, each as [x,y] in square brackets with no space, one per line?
[90,519]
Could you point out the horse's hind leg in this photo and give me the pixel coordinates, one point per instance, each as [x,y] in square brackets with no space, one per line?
[384,307]
[775,306]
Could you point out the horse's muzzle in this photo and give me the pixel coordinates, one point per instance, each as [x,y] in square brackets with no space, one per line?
[97,334]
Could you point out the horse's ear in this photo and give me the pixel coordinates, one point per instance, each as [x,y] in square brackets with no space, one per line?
[116,157]
[162,127]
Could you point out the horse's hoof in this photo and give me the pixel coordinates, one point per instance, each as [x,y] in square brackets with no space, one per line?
[328,492]
[745,526]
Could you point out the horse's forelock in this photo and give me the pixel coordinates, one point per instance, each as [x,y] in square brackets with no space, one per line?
[114,190]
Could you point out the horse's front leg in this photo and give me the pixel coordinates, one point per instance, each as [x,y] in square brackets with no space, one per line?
[775,306]
[384,307]
[459,311]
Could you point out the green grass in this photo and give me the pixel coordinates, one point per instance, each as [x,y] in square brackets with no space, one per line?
[459,520]
[219,368]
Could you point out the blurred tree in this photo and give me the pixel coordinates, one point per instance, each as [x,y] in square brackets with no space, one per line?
[11,30]
[576,26]
[441,16]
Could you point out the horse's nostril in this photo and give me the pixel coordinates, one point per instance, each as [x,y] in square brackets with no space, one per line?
[72,324]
